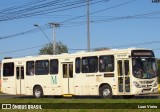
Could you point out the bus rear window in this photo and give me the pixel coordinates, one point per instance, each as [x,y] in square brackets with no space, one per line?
[8,69]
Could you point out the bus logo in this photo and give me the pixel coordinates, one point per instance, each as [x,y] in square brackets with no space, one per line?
[6,106]
[54,79]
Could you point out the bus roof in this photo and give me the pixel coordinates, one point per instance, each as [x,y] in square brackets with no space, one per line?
[78,54]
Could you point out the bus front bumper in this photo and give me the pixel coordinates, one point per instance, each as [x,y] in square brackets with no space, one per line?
[146,90]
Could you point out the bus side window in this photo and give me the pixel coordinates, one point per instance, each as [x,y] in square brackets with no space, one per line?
[64,70]
[70,70]
[42,67]
[119,65]
[90,64]
[77,64]
[93,64]
[106,63]
[54,66]
[20,76]
[17,72]
[22,72]
[8,69]
[85,67]
[126,64]
[30,68]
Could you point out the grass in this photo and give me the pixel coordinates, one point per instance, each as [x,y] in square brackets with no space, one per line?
[74,100]
[85,100]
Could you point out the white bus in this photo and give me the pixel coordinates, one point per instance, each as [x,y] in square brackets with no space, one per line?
[125,72]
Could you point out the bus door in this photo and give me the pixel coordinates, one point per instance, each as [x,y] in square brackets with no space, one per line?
[123,76]
[67,78]
[20,88]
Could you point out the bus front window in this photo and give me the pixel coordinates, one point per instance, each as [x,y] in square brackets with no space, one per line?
[144,68]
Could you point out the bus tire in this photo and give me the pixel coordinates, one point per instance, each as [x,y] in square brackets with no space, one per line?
[105,92]
[37,92]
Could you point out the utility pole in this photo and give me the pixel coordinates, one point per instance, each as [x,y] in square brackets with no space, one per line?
[54,26]
[88,27]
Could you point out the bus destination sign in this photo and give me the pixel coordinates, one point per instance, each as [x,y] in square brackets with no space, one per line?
[143,53]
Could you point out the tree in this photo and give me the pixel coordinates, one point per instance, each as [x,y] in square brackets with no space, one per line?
[48,49]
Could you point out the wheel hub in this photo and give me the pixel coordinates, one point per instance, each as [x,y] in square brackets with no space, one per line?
[37,93]
[106,92]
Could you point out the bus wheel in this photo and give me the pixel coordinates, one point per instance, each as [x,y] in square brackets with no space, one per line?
[38,92]
[105,91]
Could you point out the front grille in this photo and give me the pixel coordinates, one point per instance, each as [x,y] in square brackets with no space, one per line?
[146,90]
[146,82]
[146,86]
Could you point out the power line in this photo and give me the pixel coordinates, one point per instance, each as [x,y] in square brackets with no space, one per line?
[112,19]
[32,6]
[34,30]
[108,8]
[31,31]
[118,46]
[19,50]
[3,11]
[139,16]
[135,44]
[25,32]
[117,18]
[34,10]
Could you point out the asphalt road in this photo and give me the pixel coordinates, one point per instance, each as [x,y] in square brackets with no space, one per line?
[149,96]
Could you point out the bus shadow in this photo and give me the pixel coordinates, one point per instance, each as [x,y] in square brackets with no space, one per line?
[61,97]
[147,97]
[95,97]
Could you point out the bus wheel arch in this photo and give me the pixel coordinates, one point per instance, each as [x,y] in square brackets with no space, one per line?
[105,91]
[37,91]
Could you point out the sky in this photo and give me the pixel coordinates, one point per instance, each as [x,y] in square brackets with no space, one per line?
[114,24]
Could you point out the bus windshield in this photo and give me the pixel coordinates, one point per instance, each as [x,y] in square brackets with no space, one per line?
[144,68]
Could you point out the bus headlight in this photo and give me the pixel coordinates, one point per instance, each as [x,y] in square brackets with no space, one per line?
[136,84]
[155,84]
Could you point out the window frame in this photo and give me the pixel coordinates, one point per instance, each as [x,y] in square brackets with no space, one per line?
[12,69]
[42,70]
[28,69]
[113,63]
[57,67]
[89,64]
[79,59]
